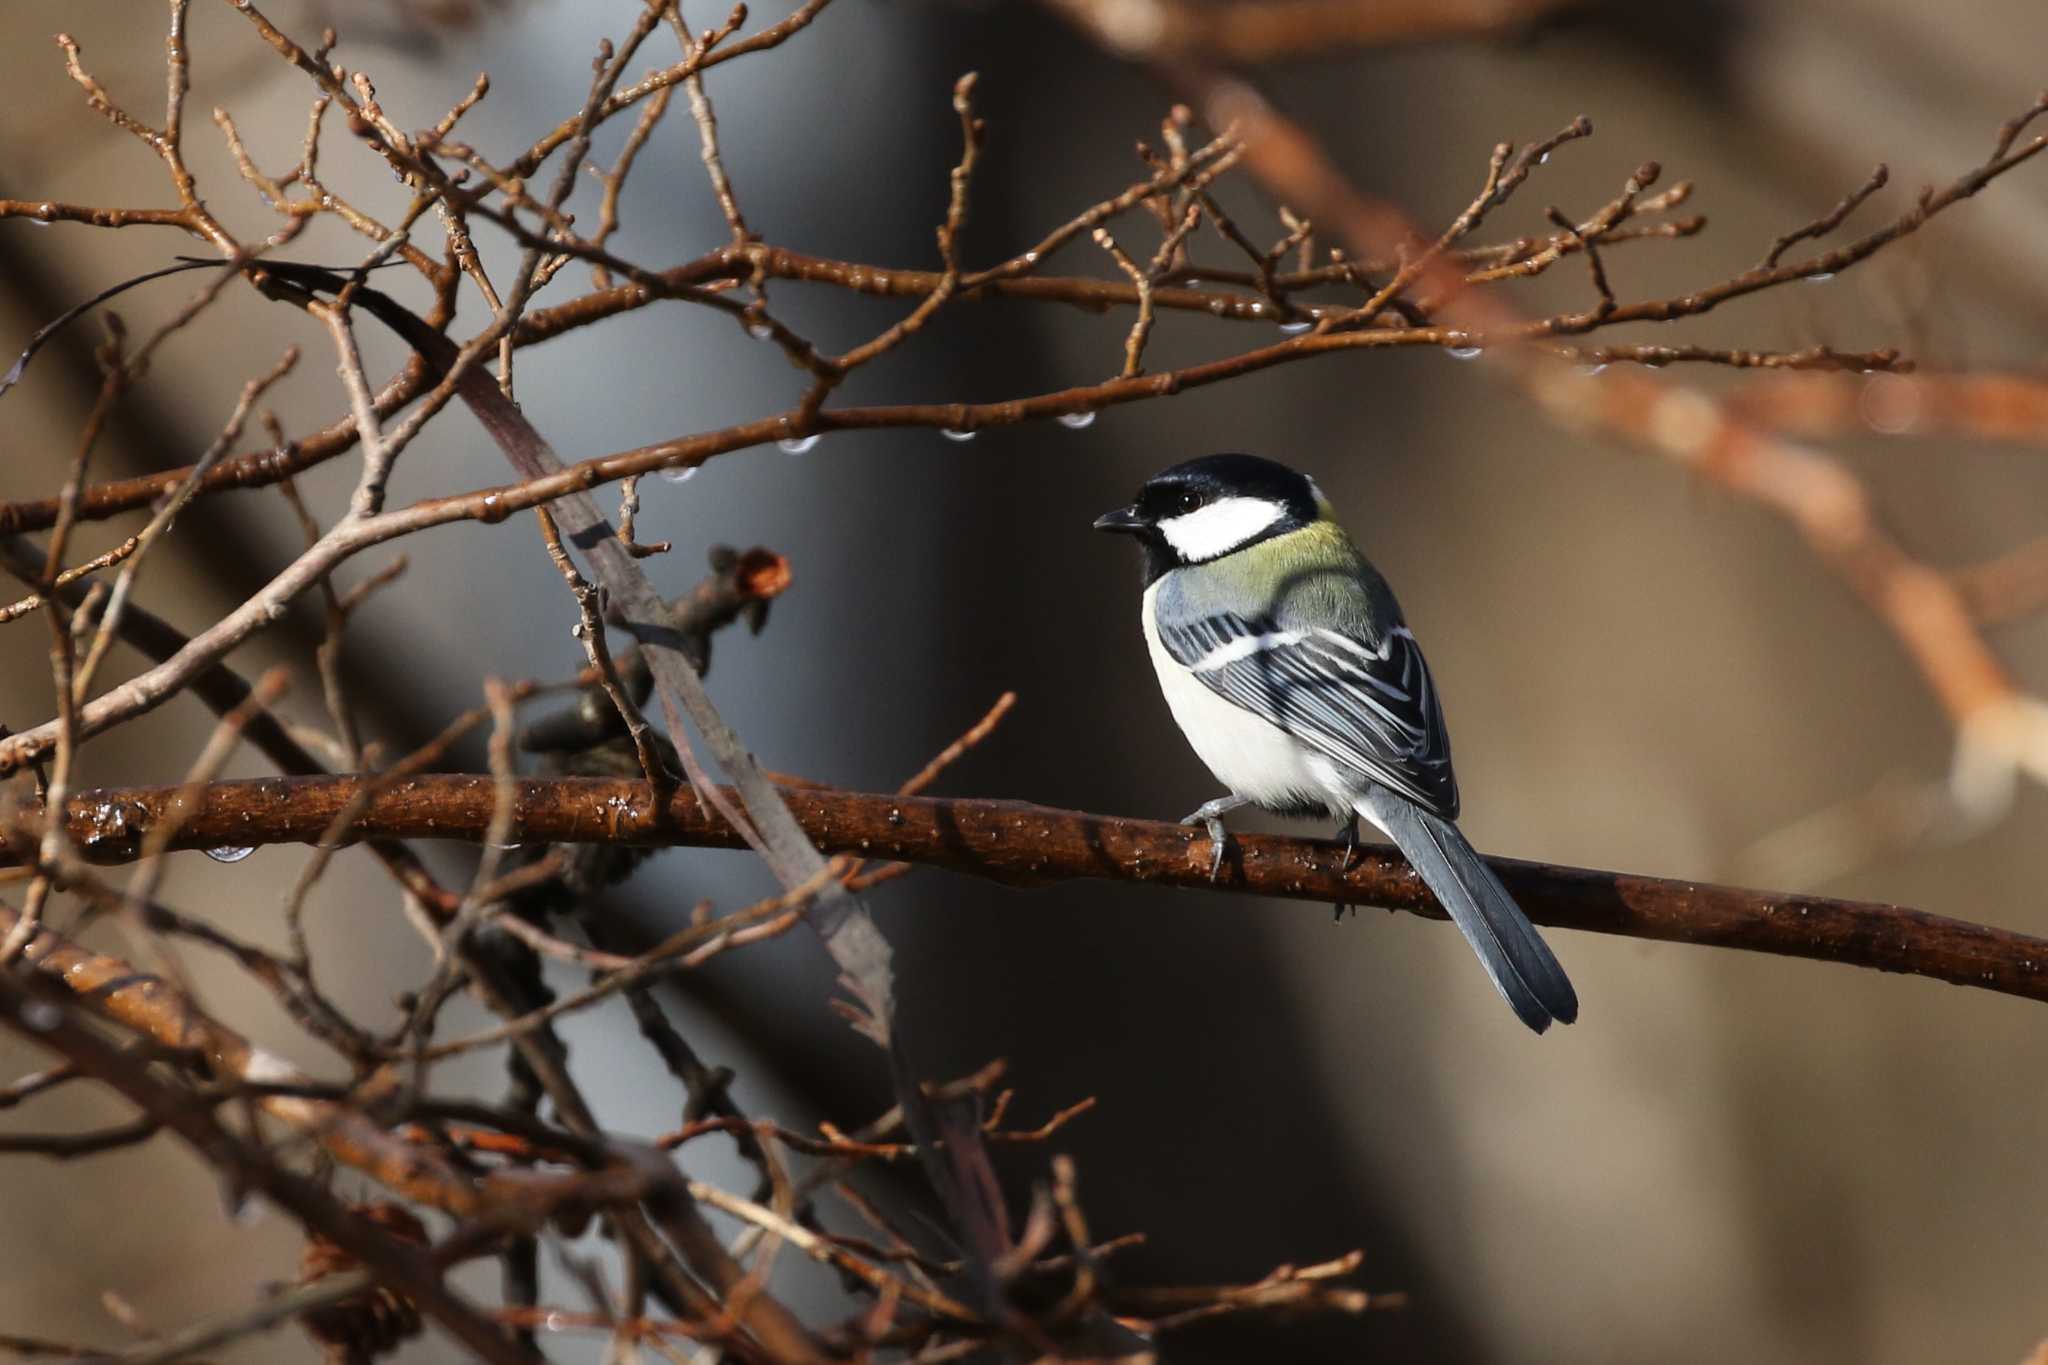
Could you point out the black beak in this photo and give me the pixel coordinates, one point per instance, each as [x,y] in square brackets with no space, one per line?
[1122,519]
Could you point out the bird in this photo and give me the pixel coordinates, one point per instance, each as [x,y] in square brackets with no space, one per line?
[1291,671]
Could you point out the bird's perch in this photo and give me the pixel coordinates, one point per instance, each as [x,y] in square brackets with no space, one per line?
[1024,844]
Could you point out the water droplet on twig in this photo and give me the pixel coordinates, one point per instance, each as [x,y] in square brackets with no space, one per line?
[243,1208]
[229,853]
[797,445]
[681,474]
[1297,327]
[1462,352]
[1075,421]
[950,434]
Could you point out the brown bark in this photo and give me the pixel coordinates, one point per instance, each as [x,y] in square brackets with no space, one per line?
[1023,844]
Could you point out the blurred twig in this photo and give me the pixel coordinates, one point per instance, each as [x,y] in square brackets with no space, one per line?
[1273,30]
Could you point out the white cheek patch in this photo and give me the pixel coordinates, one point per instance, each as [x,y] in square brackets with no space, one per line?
[1217,529]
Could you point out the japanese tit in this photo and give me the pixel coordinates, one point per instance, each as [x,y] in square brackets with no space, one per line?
[1287,664]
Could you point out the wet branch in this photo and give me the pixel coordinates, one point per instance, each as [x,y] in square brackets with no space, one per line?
[1028,845]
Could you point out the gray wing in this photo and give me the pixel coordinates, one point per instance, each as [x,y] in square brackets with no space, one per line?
[1369,708]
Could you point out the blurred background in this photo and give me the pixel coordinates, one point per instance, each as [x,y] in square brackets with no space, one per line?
[1792,1161]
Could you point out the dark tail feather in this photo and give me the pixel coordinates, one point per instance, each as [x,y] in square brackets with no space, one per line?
[1521,964]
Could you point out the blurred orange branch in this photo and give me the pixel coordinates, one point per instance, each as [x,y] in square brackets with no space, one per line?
[1269,30]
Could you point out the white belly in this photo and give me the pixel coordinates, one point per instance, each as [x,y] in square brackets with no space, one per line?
[1253,757]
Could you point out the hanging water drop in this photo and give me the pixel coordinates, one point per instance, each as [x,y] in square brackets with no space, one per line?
[1821,278]
[1588,371]
[760,331]
[952,435]
[40,1016]
[1462,352]
[243,1208]
[797,445]
[1297,327]
[229,853]
[680,474]
[1077,421]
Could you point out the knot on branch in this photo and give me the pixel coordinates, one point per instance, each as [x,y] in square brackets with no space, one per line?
[740,587]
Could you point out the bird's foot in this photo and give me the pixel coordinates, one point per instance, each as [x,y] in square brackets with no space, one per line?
[1210,817]
[1348,832]
[1219,845]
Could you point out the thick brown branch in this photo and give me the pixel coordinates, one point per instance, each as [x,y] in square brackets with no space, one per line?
[1024,844]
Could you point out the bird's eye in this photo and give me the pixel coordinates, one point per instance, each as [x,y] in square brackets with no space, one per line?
[1187,501]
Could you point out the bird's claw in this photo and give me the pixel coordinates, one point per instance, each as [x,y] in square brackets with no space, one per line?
[1349,833]
[1219,838]
[1219,844]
